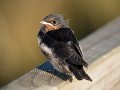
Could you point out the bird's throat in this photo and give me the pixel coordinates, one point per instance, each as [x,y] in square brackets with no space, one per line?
[50,28]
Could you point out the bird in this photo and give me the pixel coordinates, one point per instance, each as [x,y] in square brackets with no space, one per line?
[58,43]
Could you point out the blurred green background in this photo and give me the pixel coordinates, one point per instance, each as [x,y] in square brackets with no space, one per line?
[19,24]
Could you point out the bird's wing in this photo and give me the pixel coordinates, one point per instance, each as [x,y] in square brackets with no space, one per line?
[66,35]
[65,50]
[73,42]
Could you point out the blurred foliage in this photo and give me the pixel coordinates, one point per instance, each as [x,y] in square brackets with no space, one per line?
[19,24]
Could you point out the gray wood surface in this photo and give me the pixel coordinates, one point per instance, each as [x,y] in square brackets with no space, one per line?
[101,50]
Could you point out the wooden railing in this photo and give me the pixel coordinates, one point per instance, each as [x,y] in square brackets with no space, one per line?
[101,50]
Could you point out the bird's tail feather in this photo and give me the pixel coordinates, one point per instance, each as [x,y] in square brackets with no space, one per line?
[80,73]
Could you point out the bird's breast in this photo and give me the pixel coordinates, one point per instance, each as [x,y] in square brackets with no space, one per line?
[53,58]
[44,47]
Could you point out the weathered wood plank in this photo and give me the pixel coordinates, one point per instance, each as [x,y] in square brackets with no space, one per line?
[101,49]
[116,86]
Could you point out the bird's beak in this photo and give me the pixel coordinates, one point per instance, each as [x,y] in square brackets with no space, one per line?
[46,23]
[49,26]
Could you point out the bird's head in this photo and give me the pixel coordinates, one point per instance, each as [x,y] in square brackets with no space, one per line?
[54,22]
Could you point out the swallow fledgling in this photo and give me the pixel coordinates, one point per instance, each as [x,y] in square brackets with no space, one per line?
[58,43]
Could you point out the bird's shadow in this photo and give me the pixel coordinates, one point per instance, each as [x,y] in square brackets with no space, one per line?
[47,67]
[43,75]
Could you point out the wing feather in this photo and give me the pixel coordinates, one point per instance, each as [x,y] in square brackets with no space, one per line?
[67,47]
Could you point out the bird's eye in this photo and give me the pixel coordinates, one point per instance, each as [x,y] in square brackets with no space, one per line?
[54,22]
